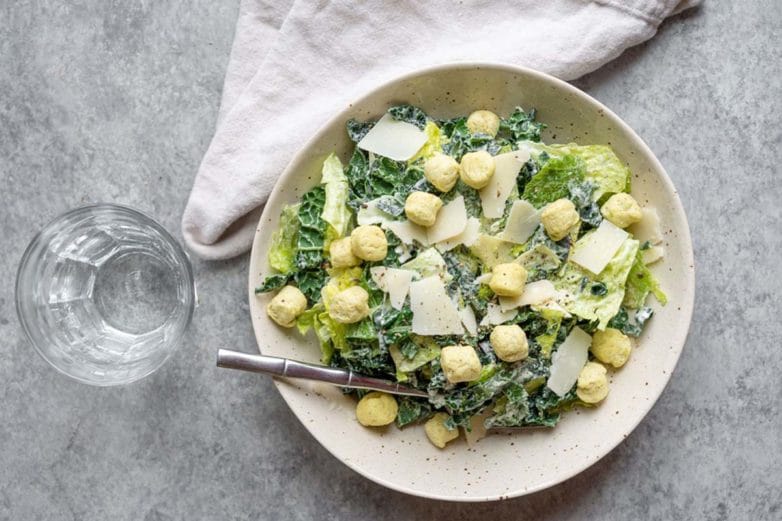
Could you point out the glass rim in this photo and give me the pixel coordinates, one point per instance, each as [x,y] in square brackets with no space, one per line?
[179,251]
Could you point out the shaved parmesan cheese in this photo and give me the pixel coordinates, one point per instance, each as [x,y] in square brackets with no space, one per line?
[594,250]
[491,250]
[369,213]
[508,303]
[653,254]
[468,320]
[648,228]
[451,221]
[536,292]
[433,312]
[483,279]
[404,252]
[467,237]
[553,306]
[393,281]
[393,139]
[523,220]
[495,316]
[408,232]
[495,194]
[378,274]
[568,361]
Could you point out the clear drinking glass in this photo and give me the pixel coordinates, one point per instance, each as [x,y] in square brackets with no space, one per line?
[105,294]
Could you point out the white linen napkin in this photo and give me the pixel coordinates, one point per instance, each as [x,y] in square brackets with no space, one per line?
[294,63]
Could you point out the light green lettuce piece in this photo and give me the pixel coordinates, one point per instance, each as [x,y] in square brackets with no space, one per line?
[308,319]
[335,209]
[427,263]
[332,171]
[428,350]
[329,333]
[603,167]
[554,179]
[641,282]
[598,297]
[546,341]
[434,143]
[282,253]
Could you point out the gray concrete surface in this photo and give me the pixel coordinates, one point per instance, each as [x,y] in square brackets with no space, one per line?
[111,100]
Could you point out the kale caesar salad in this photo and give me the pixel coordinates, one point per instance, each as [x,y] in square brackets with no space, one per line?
[466,258]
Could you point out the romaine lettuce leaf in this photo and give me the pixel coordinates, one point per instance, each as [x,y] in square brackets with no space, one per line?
[282,253]
[336,332]
[552,180]
[332,171]
[335,208]
[598,297]
[603,167]
[328,332]
[641,282]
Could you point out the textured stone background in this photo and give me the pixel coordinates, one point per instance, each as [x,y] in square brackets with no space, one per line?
[116,101]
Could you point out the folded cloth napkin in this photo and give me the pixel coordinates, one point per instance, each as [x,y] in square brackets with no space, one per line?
[294,63]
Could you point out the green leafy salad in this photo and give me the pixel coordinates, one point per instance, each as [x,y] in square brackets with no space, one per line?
[466,258]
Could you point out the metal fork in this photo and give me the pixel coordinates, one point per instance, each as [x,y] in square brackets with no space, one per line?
[294,369]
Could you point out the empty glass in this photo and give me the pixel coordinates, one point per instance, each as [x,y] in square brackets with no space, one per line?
[105,294]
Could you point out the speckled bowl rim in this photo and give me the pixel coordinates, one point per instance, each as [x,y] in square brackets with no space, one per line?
[687,289]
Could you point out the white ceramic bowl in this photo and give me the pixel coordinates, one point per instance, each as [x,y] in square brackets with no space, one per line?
[499,466]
